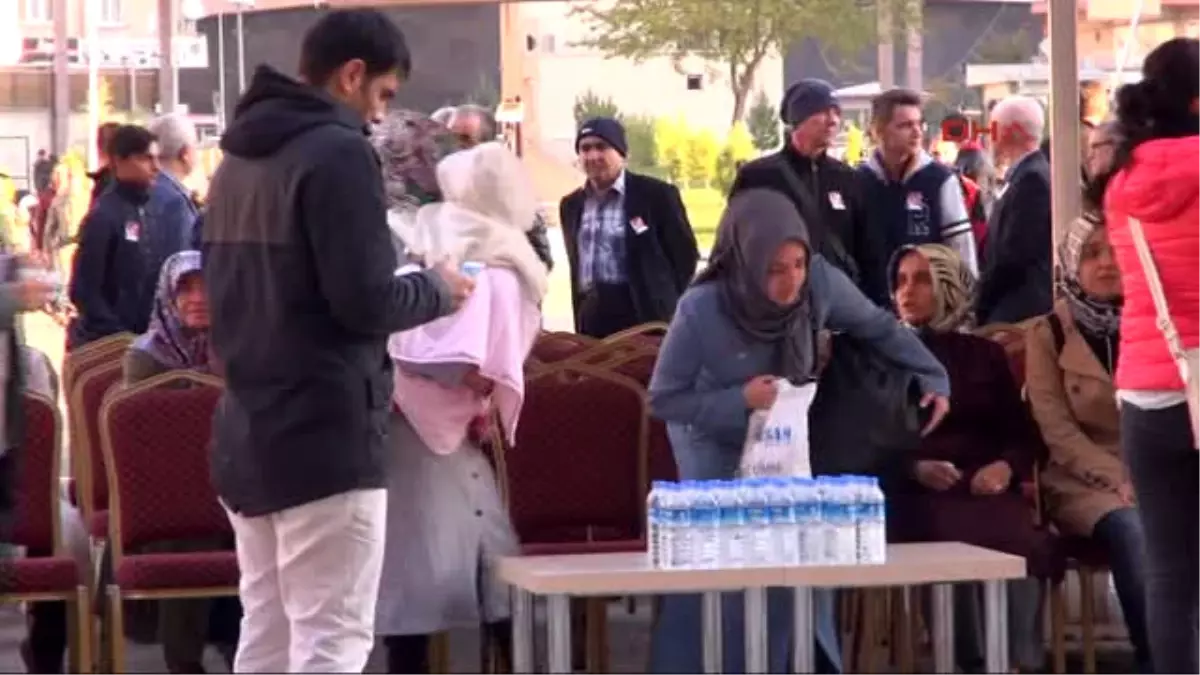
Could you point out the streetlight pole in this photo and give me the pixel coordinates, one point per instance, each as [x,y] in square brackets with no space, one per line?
[221,70]
[91,16]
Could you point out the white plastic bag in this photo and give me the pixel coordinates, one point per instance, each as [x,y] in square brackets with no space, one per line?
[777,440]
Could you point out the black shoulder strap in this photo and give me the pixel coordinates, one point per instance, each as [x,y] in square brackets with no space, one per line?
[810,206]
[1056,330]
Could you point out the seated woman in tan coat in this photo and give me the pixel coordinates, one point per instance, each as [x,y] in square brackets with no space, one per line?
[1071,355]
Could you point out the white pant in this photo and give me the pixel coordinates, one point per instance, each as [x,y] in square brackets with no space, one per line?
[310,580]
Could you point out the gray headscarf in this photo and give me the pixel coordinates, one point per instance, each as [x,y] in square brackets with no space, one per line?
[755,224]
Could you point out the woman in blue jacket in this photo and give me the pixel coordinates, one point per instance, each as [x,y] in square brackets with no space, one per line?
[751,318]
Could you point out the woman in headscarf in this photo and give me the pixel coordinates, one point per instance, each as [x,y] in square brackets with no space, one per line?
[446,521]
[969,470]
[1071,355]
[177,338]
[750,319]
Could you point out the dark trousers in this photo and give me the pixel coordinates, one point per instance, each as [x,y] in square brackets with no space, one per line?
[605,309]
[1165,468]
[410,653]
[1121,534]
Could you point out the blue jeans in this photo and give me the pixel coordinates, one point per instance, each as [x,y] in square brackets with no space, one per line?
[1120,532]
[677,643]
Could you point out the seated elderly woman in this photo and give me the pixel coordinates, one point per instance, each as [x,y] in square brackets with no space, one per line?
[446,521]
[752,317]
[963,481]
[177,339]
[1071,355]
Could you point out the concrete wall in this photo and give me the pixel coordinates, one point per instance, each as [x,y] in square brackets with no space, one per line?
[455,52]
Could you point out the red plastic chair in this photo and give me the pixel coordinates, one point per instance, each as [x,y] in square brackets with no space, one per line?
[48,572]
[156,436]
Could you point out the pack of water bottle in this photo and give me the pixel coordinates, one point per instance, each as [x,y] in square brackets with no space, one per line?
[757,522]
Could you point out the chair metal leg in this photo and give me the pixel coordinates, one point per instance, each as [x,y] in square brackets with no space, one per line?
[902,630]
[116,629]
[596,642]
[84,630]
[1087,618]
[1058,625]
[439,653]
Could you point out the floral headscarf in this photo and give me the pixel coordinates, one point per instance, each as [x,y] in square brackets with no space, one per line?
[168,340]
[1101,318]
[410,145]
[953,286]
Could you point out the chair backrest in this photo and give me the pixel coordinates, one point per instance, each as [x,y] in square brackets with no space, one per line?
[652,333]
[557,346]
[79,361]
[156,435]
[636,365]
[577,471]
[35,524]
[87,458]
[606,353]
[1011,336]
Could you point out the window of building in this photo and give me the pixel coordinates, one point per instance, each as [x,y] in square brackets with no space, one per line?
[39,10]
[110,11]
[695,82]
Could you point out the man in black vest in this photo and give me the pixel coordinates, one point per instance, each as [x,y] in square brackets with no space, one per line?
[912,198]
[822,188]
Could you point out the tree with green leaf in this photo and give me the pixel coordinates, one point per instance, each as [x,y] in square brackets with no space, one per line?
[700,158]
[735,35]
[739,147]
[670,142]
[762,123]
[589,104]
[641,136]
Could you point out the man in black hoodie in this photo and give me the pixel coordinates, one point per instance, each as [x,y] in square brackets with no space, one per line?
[302,293]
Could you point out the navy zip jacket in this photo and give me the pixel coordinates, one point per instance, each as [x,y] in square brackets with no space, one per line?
[121,248]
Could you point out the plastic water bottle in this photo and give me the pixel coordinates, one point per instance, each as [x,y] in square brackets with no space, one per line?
[810,529]
[837,514]
[733,525]
[706,526]
[872,522]
[784,538]
[654,524]
[759,530]
[666,499]
[681,544]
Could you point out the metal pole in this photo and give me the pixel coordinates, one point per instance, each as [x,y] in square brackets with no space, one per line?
[1065,197]
[90,18]
[241,54]
[221,69]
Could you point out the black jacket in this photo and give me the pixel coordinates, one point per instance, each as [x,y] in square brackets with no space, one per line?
[303,295]
[837,223]
[1015,275]
[122,246]
[660,260]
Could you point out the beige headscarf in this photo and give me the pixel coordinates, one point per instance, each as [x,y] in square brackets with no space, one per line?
[489,204]
[953,286]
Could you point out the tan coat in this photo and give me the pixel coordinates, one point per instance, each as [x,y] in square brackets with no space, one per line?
[1074,403]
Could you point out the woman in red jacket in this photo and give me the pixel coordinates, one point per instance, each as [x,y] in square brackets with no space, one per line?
[1158,183]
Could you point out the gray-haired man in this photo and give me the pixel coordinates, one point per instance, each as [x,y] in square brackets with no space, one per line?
[171,205]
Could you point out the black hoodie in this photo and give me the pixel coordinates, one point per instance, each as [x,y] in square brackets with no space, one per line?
[300,273]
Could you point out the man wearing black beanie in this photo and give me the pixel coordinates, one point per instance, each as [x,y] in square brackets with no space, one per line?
[629,244]
[823,189]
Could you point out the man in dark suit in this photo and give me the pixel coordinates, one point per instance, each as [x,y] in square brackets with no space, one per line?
[629,244]
[824,190]
[1016,279]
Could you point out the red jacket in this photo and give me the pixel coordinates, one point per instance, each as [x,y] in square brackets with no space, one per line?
[1161,188]
[975,212]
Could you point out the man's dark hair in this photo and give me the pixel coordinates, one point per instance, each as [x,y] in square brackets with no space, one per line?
[885,104]
[104,135]
[348,34]
[128,140]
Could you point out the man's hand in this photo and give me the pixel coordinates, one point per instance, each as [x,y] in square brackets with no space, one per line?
[1127,494]
[935,475]
[460,286]
[992,479]
[941,406]
[760,392]
[33,294]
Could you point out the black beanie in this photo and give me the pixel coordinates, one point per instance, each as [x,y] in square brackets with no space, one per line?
[606,129]
[805,99]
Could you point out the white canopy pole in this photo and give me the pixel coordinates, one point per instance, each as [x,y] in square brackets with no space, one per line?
[1065,197]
